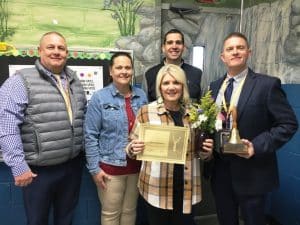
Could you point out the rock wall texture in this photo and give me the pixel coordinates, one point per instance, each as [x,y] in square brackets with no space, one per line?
[273,30]
[274,35]
[146,44]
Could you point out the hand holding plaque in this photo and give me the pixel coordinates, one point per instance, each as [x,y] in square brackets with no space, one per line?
[234,144]
[164,143]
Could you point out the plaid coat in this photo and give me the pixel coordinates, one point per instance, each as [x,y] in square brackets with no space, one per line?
[156,178]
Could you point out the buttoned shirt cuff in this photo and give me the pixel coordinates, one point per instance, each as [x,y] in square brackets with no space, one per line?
[20,169]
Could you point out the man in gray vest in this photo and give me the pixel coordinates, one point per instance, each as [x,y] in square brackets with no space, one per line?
[41,123]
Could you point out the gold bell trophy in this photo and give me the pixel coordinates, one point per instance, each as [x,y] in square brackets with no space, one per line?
[234,144]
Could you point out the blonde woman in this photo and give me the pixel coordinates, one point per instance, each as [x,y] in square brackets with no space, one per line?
[170,190]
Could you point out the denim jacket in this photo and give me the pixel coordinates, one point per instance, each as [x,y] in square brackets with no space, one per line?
[106,126]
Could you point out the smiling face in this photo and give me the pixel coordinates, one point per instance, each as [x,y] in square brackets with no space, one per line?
[235,55]
[53,52]
[171,90]
[173,48]
[121,71]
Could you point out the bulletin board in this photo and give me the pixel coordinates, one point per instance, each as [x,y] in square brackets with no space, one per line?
[92,67]
[7,63]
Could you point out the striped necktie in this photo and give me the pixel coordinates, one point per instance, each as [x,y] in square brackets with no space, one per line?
[66,96]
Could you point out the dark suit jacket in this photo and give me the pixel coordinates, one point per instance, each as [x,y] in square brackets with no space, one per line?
[193,77]
[268,121]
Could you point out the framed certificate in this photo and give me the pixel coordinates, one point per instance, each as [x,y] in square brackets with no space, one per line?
[164,143]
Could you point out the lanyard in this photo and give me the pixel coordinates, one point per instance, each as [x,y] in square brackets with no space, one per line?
[66,95]
[234,97]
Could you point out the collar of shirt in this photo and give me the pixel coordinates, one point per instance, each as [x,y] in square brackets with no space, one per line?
[115,91]
[161,109]
[237,80]
[239,77]
[62,75]
[48,73]
[165,63]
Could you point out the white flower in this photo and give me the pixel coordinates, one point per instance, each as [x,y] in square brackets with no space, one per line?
[202,118]
[218,124]
[194,125]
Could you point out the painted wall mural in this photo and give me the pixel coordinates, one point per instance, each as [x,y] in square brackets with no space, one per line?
[99,24]
[92,28]
[272,29]
[93,23]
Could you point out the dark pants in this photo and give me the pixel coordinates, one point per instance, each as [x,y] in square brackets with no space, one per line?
[55,186]
[228,202]
[157,216]
[141,218]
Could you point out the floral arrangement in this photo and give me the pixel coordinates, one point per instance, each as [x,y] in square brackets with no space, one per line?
[203,115]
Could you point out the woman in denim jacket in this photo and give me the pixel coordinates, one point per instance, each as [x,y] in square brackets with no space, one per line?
[109,119]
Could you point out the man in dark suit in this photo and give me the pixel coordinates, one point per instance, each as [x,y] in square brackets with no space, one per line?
[173,48]
[265,122]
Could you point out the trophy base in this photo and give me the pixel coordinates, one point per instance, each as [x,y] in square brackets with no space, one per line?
[234,148]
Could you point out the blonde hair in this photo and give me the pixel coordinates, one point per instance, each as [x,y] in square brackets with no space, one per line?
[179,75]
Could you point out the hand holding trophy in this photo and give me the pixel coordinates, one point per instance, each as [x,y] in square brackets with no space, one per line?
[234,144]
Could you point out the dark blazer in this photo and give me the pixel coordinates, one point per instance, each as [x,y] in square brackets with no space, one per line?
[266,119]
[193,77]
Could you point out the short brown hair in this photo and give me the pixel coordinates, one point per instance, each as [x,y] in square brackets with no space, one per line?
[236,34]
[174,31]
[117,54]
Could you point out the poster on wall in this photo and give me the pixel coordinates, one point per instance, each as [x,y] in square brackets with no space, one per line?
[91,77]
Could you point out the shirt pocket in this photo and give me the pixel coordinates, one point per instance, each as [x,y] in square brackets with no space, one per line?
[112,112]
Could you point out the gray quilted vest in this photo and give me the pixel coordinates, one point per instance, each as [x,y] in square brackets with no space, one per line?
[47,134]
